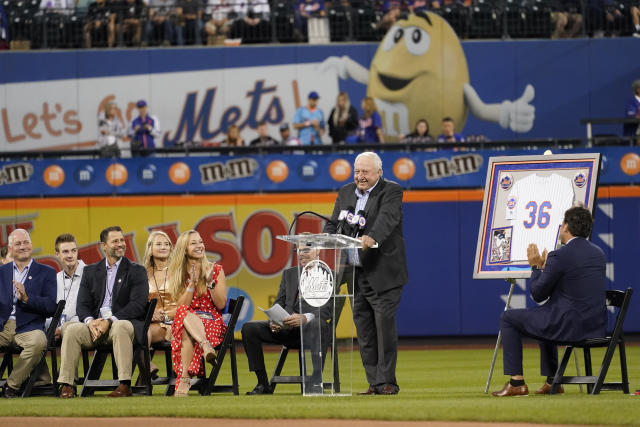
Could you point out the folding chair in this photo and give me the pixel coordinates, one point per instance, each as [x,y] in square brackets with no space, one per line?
[619,300]
[29,388]
[92,381]
[207,385]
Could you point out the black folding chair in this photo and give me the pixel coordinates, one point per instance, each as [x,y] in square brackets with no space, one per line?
[29,388]
[207,385]
[92,381]
[619,300]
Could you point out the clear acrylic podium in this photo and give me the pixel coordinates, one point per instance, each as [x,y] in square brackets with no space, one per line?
[325,290]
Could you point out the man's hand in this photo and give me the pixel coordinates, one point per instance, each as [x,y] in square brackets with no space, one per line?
[22,293]
[96,328]
[534,257]
[295,320]
[58,334]
[158,316]
[275,328]
[367,242]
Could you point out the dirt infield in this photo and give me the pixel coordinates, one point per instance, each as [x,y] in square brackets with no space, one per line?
[199,422]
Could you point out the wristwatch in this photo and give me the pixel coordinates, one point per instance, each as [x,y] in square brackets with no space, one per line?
[211,285]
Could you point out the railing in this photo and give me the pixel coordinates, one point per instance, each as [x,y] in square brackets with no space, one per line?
[29,27]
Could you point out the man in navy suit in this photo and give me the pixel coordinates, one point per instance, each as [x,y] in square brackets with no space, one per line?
[111,307]
[572,280]
[380,273]
[27,298]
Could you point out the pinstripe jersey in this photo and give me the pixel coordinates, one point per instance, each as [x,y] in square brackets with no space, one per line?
[535,208]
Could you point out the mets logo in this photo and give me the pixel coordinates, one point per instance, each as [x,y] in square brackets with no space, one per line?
[316,283]
[505,182]
[511,203]
[579,180]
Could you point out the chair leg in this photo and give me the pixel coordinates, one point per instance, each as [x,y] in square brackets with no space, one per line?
[54,367]
[604,368]
[234,370]
[4,366]
[623,367]
[279,365]
[303,371]
[33,377]
[588,367]
[557,379]
[95,369]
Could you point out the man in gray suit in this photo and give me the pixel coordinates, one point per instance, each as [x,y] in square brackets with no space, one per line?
[312,319]
[380,272]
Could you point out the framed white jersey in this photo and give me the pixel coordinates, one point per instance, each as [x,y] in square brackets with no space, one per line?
[524,202]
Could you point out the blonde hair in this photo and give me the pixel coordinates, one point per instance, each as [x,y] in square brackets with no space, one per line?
[147,259]
[369,106]
[179,269]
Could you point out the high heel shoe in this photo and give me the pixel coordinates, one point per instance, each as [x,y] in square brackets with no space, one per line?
[183,387]
[210,354]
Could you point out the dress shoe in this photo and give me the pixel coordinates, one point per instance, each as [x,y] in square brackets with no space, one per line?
[210,354]
[546,389]
[387,389]
[67,392]
[509,390]
[10,393]
[260,389]
[371,390]
[122,390]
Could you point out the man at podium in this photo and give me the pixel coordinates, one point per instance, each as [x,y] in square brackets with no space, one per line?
[257,332]
[380,272]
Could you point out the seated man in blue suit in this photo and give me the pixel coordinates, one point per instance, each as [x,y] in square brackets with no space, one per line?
[573,279]
[27,298]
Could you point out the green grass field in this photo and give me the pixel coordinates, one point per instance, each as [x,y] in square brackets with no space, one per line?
[435,385]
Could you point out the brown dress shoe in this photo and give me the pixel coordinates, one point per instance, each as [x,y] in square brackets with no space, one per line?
[546,389]
[371,390]
[509,390]
[67,392]
[122,390]
[387,389]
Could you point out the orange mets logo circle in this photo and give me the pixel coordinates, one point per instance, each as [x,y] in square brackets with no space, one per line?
[179,173]
[53,176]
[116,174]
[630,164]
[340,170]
[404,169]
[277,171]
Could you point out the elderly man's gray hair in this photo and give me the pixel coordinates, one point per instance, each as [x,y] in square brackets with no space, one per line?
[377,161]
[10,238]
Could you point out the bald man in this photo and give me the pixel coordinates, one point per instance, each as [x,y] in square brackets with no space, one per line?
[27,298]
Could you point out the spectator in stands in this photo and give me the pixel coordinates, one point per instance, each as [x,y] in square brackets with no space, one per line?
[286,137]
[161,24]
[420,134]
[100,24]
[567,19]
[392,10]
[309,121]
[219,23]
[448,132]
[633,111]
[370,124]
[252,25]
[129,24]
[190,17]
[635,18]
[5,258]
[233,138]
[143,130]
[305,9]
[4,30]
[263,139]
[54,19]
[422,5]
[343,119]
[110,131]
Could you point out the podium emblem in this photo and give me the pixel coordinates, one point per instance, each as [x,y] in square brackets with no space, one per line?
[316,283]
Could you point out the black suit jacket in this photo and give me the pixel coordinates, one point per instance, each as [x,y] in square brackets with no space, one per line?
[384,267]
[41,287]
[130,292]
[574,280]
[288,297]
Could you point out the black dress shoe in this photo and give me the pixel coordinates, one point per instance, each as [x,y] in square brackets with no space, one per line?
[260,389]
[387,389]
[10,393]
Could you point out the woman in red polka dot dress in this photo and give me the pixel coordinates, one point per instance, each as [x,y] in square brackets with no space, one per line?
[201,292]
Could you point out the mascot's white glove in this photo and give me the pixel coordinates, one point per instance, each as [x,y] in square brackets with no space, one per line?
[345,67]
[517,115]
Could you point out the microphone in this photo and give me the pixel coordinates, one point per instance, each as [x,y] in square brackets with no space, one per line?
[359,223]
[295,219]
[344,218]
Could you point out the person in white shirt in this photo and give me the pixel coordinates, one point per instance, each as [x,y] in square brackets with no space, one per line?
[68,279]
[110,132]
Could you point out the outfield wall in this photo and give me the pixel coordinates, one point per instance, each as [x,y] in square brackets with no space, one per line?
[440,228]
